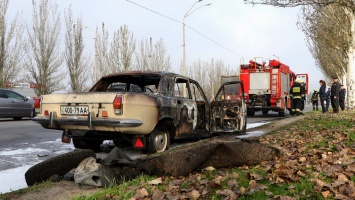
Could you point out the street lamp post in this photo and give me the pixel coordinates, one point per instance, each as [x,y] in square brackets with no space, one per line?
[95,51]
[189,12]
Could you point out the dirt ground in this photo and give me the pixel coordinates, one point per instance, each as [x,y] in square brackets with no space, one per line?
[67,190]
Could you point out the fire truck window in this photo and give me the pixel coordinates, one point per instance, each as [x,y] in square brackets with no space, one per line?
[181,88]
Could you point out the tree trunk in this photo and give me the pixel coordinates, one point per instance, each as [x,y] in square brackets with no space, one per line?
[351,64]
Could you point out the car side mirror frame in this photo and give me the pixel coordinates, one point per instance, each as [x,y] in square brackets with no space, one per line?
[26,98]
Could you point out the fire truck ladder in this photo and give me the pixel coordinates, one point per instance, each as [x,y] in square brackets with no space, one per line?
[274,83]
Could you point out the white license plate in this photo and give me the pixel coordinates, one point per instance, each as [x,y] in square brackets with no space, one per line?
[74,110]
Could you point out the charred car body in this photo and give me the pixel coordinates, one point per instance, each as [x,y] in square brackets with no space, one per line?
[144,108]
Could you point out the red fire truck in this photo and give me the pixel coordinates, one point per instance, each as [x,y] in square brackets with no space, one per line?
[267,87]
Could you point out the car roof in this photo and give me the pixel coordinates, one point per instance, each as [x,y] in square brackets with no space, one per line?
[144,72]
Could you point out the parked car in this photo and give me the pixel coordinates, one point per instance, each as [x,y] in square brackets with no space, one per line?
[14,105]
[143,108]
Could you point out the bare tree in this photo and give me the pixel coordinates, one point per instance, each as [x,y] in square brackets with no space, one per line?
[208,75]
[122,49]
[11,46]
[102,53]
[348,7]
[153,56]
[77,63]
[44,57]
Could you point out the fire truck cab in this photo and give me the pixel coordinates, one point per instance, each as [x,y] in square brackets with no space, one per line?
[267,87]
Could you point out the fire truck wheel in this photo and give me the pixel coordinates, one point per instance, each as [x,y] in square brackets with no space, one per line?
[58,165]
[158,140]
[265,112]
[250,113]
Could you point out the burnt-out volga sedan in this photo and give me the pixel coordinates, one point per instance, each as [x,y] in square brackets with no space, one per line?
[143,108]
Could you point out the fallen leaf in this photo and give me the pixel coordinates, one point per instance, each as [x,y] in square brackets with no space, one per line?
[157,194]
[141,193]
[302,159]
[210,168]
[155,181]
[194,194]
[326,193]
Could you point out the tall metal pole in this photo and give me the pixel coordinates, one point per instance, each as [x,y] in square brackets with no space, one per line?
[184,71]
[189,12]
[95,59]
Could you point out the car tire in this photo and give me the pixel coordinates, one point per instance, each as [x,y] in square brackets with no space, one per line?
[94,145]
[33,113]
[17,118]
[157,141]
[59,165]
[250,113]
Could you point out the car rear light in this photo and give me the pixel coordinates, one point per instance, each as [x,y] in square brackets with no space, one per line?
[46,113]
[118,105]
[38,105]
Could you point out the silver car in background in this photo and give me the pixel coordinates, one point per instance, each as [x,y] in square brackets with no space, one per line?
[14,105]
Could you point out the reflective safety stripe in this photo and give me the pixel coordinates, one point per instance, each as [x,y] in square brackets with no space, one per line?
[297,97]
[296,89]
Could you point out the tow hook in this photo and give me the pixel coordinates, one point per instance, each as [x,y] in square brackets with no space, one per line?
[66,137]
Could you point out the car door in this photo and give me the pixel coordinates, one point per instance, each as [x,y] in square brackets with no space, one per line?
[202,105]
[19,105]
[185,107]
[5,104]
[228,109]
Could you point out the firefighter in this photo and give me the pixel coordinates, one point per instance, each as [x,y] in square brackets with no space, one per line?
[297,95]
[342,95]
[315,99]
[334,94]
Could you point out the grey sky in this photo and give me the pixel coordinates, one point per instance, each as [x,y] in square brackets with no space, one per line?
[248,31]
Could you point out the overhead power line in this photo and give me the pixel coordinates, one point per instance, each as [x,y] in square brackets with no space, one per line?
[190,27]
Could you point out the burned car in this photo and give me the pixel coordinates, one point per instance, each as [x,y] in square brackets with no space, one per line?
[143,108]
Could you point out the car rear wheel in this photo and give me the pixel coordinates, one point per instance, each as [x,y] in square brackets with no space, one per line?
[59,165]
[157,141]
[87,144]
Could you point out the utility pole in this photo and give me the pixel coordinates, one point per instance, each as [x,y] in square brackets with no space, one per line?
[189,12]
[95,51]
[95,58]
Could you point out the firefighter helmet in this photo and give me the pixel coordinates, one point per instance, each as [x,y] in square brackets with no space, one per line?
[298,80]
[315,89]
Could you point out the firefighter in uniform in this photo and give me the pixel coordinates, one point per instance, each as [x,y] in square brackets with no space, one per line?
[297,95]
[315,99]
